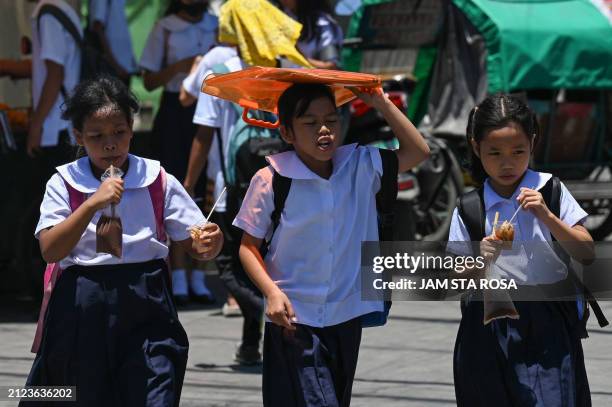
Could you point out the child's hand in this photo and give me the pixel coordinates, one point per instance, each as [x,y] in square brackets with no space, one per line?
[207,242]
[280,311]
[373,97]
[490,247]
[109,192]
[532,200]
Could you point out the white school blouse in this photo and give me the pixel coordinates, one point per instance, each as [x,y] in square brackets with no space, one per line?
[315,253]
[526,263]
[184,40]
[140,242]
[218,55]
[53,43]
[218,113]
[111,13]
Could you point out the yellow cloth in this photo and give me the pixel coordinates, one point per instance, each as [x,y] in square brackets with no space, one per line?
[261,31]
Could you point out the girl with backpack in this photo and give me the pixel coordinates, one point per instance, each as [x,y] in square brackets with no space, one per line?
[186,31]
[311,274]
[111,328]
[536,359]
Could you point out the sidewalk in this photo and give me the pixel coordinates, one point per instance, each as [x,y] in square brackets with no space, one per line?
[407,363]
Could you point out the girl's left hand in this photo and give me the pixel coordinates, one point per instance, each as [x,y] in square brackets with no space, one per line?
[374,97]
[532,200]
[209,242]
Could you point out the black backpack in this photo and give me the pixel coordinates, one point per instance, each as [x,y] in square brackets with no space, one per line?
[385,205]
[471,209]
[93,62]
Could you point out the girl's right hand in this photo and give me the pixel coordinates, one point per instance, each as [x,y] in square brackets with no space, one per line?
[280,311]
[490,248]
[109,192]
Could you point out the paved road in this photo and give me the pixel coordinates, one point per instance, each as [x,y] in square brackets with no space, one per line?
[406,363]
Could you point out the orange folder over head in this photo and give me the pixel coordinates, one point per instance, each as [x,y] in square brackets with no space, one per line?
[259,88]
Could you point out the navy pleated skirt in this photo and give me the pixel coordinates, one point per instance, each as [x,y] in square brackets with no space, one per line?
[536,360]
[113,332]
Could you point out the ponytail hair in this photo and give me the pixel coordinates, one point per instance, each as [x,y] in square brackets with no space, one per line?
[495,112]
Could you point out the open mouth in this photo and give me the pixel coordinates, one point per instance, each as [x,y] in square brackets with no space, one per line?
[324,143]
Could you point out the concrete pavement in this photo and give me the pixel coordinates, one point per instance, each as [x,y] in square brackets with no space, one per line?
[406,363]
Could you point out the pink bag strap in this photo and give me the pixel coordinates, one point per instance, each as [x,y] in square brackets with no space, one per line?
[53,271]
[157,191]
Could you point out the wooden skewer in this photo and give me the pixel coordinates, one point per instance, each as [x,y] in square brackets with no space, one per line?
[495,221]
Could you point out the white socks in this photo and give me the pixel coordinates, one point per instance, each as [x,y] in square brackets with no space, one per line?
[198,283]
[179,282]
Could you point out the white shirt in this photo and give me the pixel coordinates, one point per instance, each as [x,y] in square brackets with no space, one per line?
[140,242]
[184,40]
[315,253]
[54,43]
[111,13]
[218,55]
[527,263]
[327,32]
[221,114]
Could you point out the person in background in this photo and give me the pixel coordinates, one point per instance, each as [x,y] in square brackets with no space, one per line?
[321,37]
[187,30]
[108,22]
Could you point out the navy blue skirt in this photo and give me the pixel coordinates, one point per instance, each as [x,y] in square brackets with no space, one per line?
[113,332]
[536,360]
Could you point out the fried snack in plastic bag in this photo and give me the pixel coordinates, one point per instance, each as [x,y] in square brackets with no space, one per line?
[109,230]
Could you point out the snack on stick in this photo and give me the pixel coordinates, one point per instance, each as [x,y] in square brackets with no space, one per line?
[197,231]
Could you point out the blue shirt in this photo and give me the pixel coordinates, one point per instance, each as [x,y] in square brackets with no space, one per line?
[527,263]
[315,253]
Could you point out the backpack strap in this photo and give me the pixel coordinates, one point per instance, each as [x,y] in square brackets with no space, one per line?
[551,192]
[280,186]
[53,271]
[471,208]
[157,191]
[68,25]
[387,195]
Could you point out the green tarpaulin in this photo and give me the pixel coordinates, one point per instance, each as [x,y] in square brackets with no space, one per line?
[543,43]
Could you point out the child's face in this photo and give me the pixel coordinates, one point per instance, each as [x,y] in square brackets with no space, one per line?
[505,154]
[106,136]
[316,134]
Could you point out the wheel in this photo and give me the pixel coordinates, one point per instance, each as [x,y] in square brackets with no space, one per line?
[433,214]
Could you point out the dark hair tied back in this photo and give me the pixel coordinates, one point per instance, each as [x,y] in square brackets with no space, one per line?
[495,112]
[92,95]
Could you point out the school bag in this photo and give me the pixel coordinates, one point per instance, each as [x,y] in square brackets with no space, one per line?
[247,150]
[157,192]
[93,62]
[470,207]
[385,203]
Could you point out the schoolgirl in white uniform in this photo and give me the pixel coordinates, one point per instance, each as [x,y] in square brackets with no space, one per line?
[108,20]
[310,278]
[321,38]
[536,359]
[111,327]
[186,31]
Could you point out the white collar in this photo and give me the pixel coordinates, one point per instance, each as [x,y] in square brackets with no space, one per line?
[531,179]
[288,164]
[141,173]
[174,23]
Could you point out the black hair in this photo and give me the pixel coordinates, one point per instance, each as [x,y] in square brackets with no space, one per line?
[175,6]
[92,95]
[495,112]
[296,99]
[307,13]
